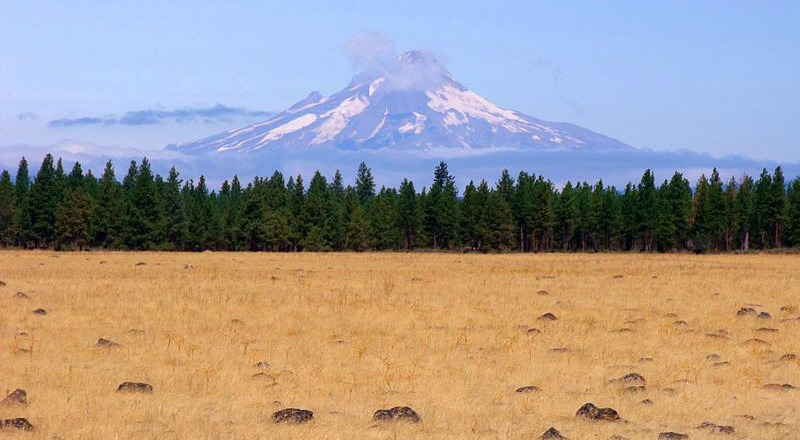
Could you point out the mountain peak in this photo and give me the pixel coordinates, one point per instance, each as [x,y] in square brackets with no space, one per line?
[411,103]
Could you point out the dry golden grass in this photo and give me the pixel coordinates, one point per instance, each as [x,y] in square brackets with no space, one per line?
[347,334]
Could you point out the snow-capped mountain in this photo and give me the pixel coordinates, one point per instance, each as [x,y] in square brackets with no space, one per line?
[413,102]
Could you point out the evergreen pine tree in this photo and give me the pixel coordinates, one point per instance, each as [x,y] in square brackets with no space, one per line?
[365,184]
[23,225]
[793,214]
[107,221]
[142,210]
[44,200]
[499,222]
[730,220]
[409,218]
[762,215]
[777,207]
[744,212]
[8,205]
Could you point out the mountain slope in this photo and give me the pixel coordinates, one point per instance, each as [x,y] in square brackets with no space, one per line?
[411,103]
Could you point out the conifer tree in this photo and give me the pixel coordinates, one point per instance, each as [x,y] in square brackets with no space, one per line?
[365,184]
[175,227]
[45,199]
[744,212]
[142,210]
[23,225]
[730,220]
[442,209]
[777,207]
[499,227]
[8,204]
[107,221]
[409,215]
[793,214]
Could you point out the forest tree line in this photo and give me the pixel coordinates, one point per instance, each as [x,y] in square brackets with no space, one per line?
[527,213]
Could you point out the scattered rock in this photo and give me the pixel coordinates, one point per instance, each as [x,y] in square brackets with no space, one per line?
[21,295]
[756,341]
[767,330]
[764,315]
[17,397]
[135,387]
[265,376]
[527,389]
[634,389]
[591,412]
[399,413]
[20,424]
[672,436]
[646,402]
[718,429]
[103,342]
[629,378]
[779,387]
[746,311]
[548,317]
[292,415]
[40,312]
[551,434]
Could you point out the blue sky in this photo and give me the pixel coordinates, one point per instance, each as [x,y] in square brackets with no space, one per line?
[721,77]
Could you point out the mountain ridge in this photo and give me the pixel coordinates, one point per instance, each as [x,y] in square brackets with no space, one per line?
[411,103]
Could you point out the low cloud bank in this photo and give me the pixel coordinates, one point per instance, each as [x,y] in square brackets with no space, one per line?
[155,116]
[390,167]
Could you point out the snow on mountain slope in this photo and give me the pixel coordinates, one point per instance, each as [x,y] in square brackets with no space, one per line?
[413,103]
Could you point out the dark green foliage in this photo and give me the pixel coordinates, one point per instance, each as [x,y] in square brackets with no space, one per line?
[528,213]
[8,204]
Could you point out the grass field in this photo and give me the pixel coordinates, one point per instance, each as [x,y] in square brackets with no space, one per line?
[448,335]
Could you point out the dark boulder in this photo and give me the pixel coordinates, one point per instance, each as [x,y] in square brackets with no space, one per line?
[135,387]
[292,415]
[746,311]
[548,317]
[20,424]
[17,397]
[399,413]
[672,436]
[103,342]
[591,412]
[527,389]
[552,434]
